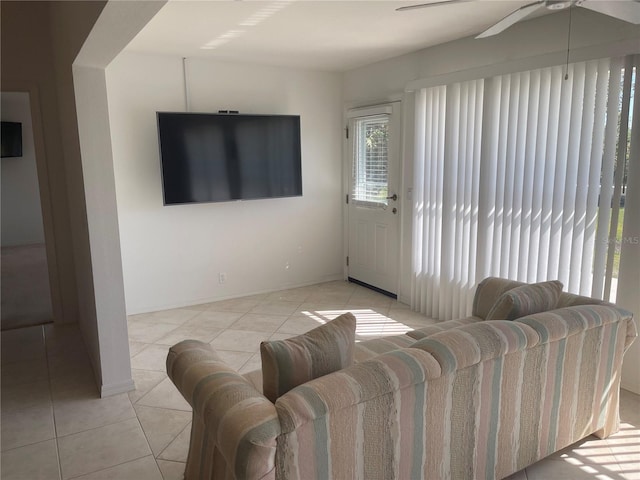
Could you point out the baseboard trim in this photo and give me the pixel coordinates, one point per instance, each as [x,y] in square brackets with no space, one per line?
[371,287]
[117,388]
[198,301]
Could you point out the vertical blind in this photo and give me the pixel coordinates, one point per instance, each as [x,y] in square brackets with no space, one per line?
[446,214]
[514,177]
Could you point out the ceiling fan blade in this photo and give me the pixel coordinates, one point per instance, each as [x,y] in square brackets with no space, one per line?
[510,19]
[629,11]
[430,4]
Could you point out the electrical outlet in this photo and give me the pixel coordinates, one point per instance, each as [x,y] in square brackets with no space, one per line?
[222,277]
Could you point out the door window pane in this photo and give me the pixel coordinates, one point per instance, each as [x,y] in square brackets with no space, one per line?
[370,166]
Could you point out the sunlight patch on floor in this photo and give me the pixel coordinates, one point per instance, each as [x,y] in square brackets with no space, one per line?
[608,459]
[370,323]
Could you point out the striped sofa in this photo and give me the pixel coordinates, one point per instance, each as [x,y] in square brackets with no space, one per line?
[464,399]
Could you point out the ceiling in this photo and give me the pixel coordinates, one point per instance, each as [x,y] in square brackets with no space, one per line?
[326,35]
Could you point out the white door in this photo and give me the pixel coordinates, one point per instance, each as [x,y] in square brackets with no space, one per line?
[373,203]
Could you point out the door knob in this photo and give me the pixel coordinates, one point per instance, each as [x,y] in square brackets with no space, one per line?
[393,197]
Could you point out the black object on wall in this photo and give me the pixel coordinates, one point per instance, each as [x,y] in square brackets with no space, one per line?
[213,157]
[11,139]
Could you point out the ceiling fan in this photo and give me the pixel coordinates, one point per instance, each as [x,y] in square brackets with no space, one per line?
[627,10]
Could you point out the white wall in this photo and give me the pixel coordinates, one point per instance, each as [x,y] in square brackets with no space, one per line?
[539,38]
[172,255]
[629,278]
[21,212]
[537,41]
[102,317]
[110,332]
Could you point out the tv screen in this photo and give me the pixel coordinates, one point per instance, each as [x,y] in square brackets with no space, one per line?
[209,157]
[11,139]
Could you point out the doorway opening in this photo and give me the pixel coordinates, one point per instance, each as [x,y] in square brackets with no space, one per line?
[25,287]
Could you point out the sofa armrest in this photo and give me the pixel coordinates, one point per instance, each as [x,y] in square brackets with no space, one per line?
[567,299]
[632,333]
[571,300]
[240,420]
[383,375]
[567,321]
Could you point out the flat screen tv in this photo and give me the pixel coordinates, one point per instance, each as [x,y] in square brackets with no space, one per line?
[11,139]
[214,157]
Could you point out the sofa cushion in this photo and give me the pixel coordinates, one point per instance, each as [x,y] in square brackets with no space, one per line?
[488,292]
[526,300]
[294,361]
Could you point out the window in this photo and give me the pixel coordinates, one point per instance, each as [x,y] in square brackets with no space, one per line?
[370,166]
[516,176]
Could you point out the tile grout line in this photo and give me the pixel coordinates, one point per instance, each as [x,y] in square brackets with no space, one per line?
[96,428]
[99,426]
[161,408]
[55,423]
[111,466]
[53,410]
[523,475]
[145,435]
[188,425]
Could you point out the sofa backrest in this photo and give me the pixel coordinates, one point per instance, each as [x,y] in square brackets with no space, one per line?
[466,346]
[346,424]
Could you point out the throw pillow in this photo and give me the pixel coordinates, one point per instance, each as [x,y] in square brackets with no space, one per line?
[526,300]
[294,361]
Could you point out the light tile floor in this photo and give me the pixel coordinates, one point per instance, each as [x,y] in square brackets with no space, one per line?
[54,426]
